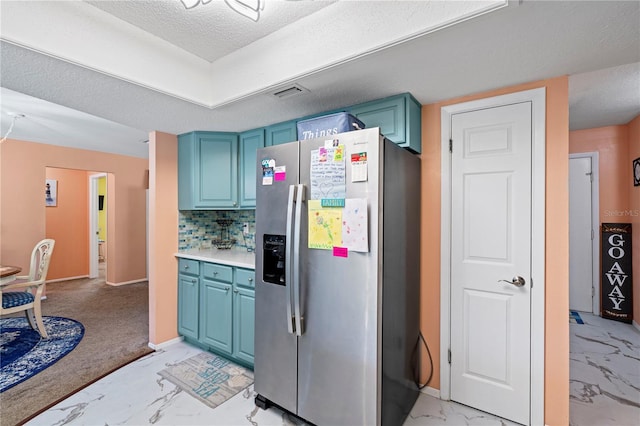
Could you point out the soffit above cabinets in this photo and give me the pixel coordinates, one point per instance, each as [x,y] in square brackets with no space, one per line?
[190,55]
[152,65]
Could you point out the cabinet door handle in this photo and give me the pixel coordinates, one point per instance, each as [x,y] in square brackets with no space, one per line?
[215,273]
[226,289]
[193,281]
[186,266]
[250,280]
[235,291]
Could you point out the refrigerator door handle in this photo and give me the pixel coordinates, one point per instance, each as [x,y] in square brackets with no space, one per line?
[299,325]
[288,260]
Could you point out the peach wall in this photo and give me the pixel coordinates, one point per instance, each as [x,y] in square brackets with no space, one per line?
[615,172]
[22,210]
[68,224]
[556,397]
[163,237]
[634,206]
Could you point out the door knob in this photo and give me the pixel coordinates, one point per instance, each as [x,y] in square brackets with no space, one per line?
[517,281]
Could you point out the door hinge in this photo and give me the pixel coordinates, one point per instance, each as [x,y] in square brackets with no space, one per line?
[449,355]
[593,292]
[592,236]
[450,145]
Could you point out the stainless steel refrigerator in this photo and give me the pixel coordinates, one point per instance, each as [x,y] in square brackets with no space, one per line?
[337,306]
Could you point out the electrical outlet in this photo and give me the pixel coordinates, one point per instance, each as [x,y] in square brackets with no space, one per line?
[245,228]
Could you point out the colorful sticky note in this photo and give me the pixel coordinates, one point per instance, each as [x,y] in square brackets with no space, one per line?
[338,154]
[322,155]
[280,173]
[340,252]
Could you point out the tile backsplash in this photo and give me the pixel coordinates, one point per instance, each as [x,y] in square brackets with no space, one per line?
[198,228]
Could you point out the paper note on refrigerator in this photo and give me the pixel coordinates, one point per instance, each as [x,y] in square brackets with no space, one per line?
[355,227]
[359,167]
[328,173]
[325,226]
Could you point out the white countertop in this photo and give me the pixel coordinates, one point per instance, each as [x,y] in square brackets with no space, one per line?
[232,257]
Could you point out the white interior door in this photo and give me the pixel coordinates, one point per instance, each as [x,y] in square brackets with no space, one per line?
[491,191]
[580,235]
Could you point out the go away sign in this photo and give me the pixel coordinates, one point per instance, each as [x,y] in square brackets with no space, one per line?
[617,278]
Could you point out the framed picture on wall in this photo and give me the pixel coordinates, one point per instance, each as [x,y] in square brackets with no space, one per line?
[51,192]
[636,172]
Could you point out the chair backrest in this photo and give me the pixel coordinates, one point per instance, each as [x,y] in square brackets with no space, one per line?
[40,258]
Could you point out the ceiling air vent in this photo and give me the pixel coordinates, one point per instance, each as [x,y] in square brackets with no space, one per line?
[289,91]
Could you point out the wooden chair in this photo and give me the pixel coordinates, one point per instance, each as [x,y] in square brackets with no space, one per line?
[25,294]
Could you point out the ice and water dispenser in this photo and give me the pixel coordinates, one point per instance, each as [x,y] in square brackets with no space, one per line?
[274,259]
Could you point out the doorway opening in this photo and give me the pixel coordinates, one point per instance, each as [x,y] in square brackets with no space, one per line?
[98,225]
[71,218]
[584,219]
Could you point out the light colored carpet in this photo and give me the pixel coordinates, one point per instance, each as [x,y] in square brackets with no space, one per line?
[116,321]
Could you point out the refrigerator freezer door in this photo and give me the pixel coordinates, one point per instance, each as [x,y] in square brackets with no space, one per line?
[275,367]
[338,363]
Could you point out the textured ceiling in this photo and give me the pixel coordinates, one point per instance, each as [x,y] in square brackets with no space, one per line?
[596,43]
[605,97]
[209,31]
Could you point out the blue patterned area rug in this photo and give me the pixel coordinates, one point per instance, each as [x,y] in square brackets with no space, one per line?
[23,353]
[209,378]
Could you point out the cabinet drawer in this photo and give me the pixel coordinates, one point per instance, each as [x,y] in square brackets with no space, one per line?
[246,278]
[217,272]
[189,267]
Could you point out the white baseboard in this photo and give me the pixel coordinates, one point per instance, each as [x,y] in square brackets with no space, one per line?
[126,282]
[67,279]
[431,392]
[636,325]
[166,344]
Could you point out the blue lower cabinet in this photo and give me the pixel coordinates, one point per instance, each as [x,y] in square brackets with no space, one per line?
[243,324]
[188,299]
[244,314]
[216,308]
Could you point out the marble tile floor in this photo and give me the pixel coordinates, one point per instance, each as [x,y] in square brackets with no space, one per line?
[604,371]
[604,386]
[137,395]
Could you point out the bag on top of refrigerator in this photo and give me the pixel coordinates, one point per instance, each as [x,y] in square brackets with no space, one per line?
[328,125]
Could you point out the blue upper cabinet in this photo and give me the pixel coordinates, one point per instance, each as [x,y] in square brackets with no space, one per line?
[249,143]
[217,170]
[399,119]
[281,133]
[207,170]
